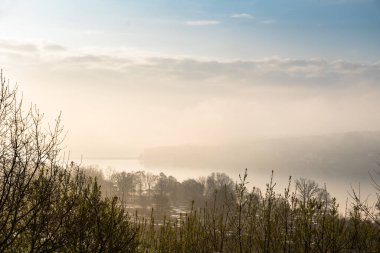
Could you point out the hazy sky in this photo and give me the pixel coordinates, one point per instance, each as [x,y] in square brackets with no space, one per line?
[133,74]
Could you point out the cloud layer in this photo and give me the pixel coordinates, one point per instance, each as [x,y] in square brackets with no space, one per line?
[202,22]
[242,15]
[130,99]
[275,70]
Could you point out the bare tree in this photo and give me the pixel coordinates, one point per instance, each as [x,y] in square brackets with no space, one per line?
[307,189]
[126,185]
[151,181]
[28,154]
[47,206]
[376,185]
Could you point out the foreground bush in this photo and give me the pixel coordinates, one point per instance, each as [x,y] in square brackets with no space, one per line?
[46,206]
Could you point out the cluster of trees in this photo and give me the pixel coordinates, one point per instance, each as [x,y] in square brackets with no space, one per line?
[306,220]
[147,190]
[224,216]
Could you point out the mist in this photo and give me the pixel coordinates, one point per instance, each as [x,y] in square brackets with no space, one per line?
[124,104]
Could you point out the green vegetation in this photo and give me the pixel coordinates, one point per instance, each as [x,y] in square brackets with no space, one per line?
[234,219]
[49,206]
[46,206]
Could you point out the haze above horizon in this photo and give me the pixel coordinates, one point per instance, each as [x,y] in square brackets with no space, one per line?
[128,75]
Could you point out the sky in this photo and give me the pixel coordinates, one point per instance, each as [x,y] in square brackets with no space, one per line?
[128,75]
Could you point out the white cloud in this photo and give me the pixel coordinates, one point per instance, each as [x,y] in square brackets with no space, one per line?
[268,21]
[125,61]
[242,16]
[18,47]
[54,47]
[202,22]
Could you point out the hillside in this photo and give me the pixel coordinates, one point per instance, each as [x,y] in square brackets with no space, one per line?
[353,154]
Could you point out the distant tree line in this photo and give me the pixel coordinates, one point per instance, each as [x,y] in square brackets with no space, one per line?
[146,190]
[231,218]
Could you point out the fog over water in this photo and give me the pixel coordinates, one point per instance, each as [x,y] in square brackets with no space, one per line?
[341,161]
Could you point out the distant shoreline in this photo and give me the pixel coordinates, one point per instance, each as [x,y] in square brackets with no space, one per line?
[109,158]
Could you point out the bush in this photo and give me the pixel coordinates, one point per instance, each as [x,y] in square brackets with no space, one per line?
[46,206]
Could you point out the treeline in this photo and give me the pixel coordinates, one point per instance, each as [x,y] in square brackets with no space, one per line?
[47,205]
[142,191]
[145,190]
[230,218]
[306,220]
